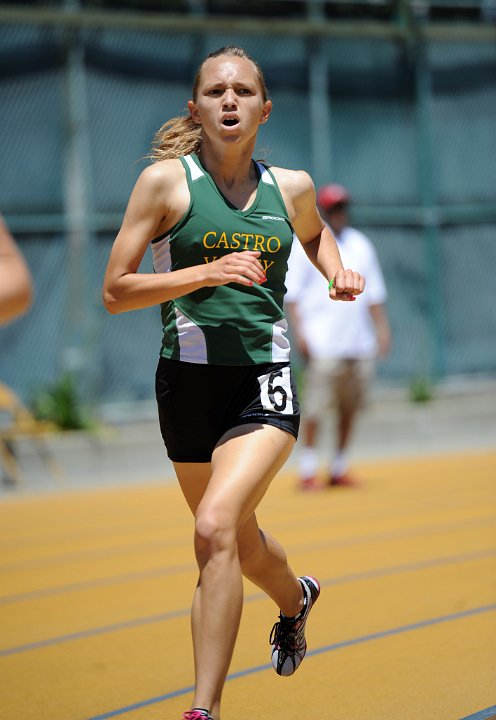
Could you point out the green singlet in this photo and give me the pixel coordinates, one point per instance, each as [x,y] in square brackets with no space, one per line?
[230,324]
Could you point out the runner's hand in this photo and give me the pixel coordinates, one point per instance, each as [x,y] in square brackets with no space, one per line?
[347,284]
[239,267]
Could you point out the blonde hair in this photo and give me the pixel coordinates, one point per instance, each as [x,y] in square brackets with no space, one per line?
[181,135]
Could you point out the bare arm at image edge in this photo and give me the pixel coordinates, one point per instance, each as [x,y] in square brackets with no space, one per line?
[16,289]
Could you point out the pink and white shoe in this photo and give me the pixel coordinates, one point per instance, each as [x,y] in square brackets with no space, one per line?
[197,714]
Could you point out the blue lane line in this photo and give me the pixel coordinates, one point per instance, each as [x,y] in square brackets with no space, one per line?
[97,583]
[486,714]
[116,627]
[408,567]
[190,567]
[318,651]
[99,553]
[339,580]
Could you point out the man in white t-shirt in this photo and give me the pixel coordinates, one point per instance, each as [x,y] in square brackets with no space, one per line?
[338,341]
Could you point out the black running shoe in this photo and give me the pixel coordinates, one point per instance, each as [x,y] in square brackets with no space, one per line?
[288,634]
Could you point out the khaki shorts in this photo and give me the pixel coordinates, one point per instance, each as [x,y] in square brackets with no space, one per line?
[335,382]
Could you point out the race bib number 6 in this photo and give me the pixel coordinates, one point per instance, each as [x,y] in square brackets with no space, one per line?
[275,391]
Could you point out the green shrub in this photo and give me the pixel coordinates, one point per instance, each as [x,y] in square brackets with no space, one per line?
[421,390]
[60,405]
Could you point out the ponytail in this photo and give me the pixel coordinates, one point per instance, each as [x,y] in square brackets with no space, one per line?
[178,136]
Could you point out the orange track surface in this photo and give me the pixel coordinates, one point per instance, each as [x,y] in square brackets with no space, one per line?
[95,589]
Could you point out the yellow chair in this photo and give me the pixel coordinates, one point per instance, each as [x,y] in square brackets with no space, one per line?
[18,423]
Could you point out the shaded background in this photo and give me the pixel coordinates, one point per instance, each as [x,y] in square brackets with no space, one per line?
[396,100]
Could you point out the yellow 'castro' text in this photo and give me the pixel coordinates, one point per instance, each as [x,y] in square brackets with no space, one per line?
[241,241]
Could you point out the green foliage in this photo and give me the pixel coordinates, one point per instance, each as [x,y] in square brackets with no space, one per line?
[60,405]
[421,390]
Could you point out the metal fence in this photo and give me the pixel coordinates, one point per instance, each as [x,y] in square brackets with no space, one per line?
[403,113]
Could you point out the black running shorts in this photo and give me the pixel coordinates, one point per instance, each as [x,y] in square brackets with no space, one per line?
[198,403]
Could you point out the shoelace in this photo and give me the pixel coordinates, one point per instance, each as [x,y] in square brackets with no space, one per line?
[196,715]
[284,635]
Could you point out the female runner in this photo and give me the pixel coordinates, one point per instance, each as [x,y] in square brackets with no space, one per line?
[221,227]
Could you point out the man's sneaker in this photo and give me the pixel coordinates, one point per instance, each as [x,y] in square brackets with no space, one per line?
[345,480]
[197,714]
[309,484]
[288,635]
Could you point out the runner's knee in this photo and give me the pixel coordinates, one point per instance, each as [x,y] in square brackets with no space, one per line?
[213,534]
